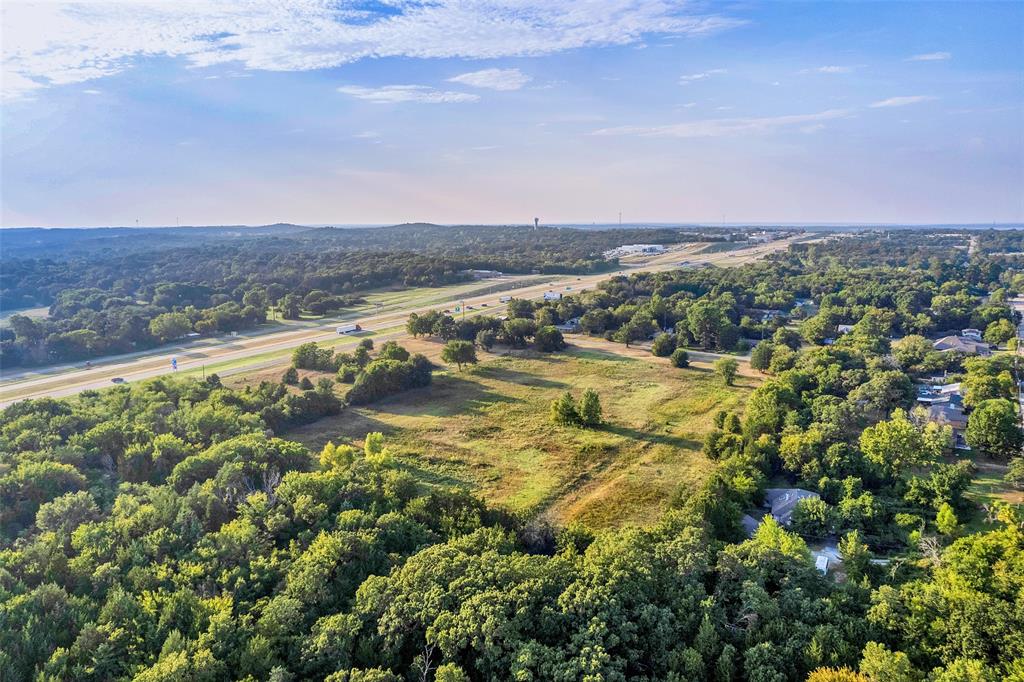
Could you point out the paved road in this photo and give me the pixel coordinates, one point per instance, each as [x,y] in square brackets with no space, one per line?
[245,353]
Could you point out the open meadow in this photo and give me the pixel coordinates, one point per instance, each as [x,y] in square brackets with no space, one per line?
[488,428]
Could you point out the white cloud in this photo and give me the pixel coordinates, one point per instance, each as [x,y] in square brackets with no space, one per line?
[834,69]
[693,77]
[902,101]
[53,43]
[493,79]
[725,126]
[930,57]
[367,135]
[92,91]
[394,94]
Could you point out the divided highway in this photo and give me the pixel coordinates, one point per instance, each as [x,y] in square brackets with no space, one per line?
[246,353]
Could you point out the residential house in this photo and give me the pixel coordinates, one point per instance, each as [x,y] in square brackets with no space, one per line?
[844,329]
[973,334]
[952,415]
[945,393]
[962,344]
[782,502]
[750,524]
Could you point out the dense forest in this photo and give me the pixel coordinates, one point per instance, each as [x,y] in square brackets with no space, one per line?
[169,530]
[121,290]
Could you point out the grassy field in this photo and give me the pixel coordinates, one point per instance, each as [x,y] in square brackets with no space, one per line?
[487,428]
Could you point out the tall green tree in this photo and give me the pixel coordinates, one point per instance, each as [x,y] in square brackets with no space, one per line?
[993,428]
[458,352]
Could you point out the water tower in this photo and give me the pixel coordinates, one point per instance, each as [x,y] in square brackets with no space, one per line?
[536,223]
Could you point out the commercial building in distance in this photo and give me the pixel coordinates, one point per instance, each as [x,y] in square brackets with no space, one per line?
[634,250]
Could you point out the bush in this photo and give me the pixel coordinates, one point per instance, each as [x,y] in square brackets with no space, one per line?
[761,356]
[347,374]
[727,369]
[290,376]
[548,339]
[382,378]
[486,338]
[311,356]
[663,345]
[392,351]
[306,384]
[679,358]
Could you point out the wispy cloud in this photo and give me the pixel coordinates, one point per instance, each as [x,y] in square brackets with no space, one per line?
[92,91]
[395,94]
[902,101]
[724,127]
[53,43]
[493,79]
[694,77]
[833,69]
[930,57]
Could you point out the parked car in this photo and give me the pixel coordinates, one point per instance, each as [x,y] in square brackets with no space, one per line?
[118,380]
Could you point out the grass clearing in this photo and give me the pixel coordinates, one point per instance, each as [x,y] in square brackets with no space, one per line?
[487,428]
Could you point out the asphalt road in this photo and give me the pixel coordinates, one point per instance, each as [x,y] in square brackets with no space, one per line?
[229,356]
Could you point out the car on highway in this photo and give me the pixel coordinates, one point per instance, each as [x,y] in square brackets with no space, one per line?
[483,305]
[118,380]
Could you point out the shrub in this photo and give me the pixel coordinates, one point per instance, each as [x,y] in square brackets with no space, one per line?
[679,358]
[727,369]
[548,339]
[663,345]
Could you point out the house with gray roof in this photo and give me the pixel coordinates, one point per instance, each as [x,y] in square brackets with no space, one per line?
[782,502]
[962,344]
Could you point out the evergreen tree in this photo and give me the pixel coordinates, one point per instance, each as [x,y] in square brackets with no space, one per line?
[590,409]
[563,410]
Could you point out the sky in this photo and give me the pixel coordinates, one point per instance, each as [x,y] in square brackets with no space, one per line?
[314,112]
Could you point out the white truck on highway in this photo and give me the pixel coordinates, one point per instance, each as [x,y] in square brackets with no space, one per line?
[349,328]
[552,295]
[504,299]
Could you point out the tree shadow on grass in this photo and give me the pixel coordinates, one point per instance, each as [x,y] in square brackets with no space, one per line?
[514,376]
[431,476]
[447,396]
[658,438]
[597,354]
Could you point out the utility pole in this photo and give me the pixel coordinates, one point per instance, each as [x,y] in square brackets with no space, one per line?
[620,219]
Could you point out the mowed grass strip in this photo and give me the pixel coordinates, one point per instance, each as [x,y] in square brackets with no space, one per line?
[488,428]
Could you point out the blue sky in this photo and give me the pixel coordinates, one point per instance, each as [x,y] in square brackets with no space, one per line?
[380,112]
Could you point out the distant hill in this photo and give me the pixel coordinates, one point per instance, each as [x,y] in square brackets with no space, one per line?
[39,242]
